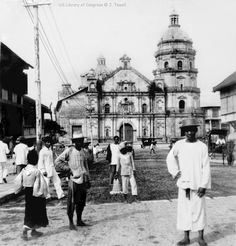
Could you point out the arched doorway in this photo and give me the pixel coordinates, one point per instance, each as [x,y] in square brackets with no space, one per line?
[128,133]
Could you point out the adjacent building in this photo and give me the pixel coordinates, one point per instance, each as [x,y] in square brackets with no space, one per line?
[17,111]
[212,117]
[13,86]
[126,103]
[227,89]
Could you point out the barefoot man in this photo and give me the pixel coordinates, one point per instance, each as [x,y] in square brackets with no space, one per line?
[188,163]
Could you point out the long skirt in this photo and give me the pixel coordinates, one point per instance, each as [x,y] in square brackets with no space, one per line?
[191,214]
[35,210]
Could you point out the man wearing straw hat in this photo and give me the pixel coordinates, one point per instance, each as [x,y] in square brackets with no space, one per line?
[73,160]
[188,163]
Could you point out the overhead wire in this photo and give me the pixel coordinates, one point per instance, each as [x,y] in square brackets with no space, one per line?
[63,43]
[46,46]
[52,55]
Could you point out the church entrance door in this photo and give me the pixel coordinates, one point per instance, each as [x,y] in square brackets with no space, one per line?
[128,133]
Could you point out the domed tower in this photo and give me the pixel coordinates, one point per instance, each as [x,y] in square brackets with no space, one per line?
[175,59]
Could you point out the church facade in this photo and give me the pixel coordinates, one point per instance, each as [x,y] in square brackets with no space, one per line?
[124,102]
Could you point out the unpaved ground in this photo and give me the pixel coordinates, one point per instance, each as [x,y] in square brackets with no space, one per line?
[117,224]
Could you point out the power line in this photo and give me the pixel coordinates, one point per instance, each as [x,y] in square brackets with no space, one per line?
[64,46]
[52,56]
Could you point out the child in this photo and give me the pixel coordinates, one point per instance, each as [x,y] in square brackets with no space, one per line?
[126,162]
[35,207]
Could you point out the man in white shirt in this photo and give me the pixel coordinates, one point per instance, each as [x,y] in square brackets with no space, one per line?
[46,166]
[3,161]
[188,163]
[113,153]
[20,154]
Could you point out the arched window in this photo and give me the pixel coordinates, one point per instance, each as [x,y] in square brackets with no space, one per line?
[107,108]
[181,105]
[181,87]
[166,65]
[144,108]
[190,65]
[180,65]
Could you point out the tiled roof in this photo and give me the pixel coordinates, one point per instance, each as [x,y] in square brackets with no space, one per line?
[229,81]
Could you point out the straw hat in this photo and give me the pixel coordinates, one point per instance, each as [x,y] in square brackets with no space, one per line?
[190,122]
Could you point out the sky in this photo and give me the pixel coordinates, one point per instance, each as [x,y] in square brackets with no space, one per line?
[79,31]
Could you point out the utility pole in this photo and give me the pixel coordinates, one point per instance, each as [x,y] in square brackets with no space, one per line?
[123,124]
[35,4]
[91,126]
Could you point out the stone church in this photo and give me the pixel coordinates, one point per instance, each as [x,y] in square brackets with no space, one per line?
[124,102]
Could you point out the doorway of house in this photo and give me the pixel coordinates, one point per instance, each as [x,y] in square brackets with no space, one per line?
[128,133]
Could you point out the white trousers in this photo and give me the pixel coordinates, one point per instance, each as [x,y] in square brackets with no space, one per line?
[125,184]
[3,171]
[56,182]
[191,213]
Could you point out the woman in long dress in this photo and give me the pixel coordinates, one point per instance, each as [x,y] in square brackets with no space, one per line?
[35,207]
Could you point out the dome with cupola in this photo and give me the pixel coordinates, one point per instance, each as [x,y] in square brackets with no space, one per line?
[174,32]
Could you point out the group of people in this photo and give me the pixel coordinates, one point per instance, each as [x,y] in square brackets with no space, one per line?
[187,162]
[121,161]
[40,170]
[189,165]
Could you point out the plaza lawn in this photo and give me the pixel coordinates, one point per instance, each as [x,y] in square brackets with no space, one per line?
[153,180]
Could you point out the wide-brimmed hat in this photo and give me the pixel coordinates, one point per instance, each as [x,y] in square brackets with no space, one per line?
[19,139]
[190,122]
[78,140]
[86,143]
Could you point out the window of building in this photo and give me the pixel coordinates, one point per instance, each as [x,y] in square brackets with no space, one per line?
[181,87]
[107,108]
[181,105]
[144,108]
[107,132]
[180,65]
[215,113]
[4,94]
[191,65]
[14,98]
[76,131]
[92,86]
[166,65]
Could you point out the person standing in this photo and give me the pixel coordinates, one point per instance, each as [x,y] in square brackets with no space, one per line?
[153,147]
[73,161]
[3,161]
[47,168]
[113,153]
[35,207]
[188,163]
[20,154]
[127,171]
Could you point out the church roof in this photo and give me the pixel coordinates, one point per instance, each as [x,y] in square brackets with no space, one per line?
[131,69]
[175,32]
[67,97]
[229,81]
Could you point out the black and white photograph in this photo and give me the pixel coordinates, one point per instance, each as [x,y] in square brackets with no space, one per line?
[117,122]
